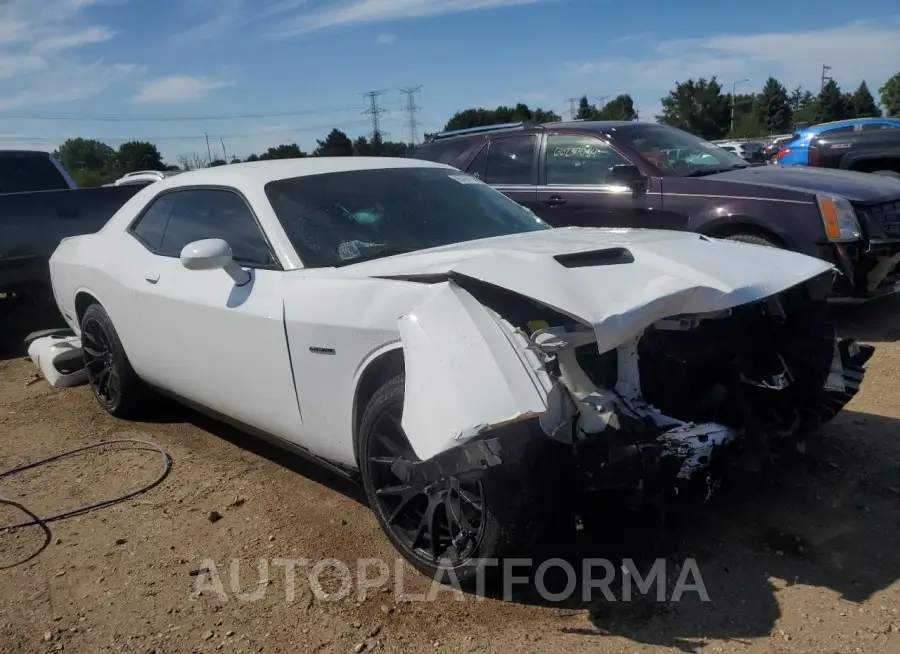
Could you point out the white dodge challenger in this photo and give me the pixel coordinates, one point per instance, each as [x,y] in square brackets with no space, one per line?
[479,372]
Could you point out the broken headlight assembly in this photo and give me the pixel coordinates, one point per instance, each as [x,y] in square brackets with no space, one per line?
[839,219]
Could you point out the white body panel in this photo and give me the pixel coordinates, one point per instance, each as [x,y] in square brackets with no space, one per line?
[285,353]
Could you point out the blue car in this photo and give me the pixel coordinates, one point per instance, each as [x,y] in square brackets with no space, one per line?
[796,151]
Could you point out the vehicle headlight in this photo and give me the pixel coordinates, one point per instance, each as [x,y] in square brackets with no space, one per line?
[839,219]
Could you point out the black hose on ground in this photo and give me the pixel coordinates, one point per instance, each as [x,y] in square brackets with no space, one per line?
[36,520]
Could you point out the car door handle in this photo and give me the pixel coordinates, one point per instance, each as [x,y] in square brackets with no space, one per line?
[555,201]
[152,277]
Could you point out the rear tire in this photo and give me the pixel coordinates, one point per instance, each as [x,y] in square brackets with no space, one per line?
[516,498]
[887,173]
[754,239]
[113,381]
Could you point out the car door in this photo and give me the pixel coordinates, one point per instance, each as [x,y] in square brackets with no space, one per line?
[509,164]
[212,342]
[576,188]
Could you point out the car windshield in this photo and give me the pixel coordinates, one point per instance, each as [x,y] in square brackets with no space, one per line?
[340,218]
[677,152]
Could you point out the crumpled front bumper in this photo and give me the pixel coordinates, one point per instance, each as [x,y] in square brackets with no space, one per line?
[471,375]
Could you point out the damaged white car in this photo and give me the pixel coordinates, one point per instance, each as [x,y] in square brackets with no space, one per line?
[409,326]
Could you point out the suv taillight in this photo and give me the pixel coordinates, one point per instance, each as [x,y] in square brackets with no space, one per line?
[783,153]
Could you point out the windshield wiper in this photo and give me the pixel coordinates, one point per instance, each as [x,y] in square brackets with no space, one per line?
[703,172]
[374,253]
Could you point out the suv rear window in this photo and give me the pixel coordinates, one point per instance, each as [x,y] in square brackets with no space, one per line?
[29,172]
[446,152]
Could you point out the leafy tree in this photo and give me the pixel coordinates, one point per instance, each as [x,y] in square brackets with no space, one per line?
[586,110]
[890,95]
[85,153]
[336,144]
[773,107]
[697,107]
[139,155]
[832,104]
[862,103]
[283,151]
[217,162]
[478,117]
[234,160]
[252,157]
[620,107]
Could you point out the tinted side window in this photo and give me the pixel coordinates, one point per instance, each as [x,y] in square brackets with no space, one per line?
[27,173]
[446,152]
[510,160]
[152,224]
[207,213]
[579,160]
[868,127]
[839,130]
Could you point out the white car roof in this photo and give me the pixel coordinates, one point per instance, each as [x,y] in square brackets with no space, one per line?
[263,172]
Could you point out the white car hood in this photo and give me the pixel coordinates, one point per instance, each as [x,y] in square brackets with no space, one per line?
[672,273]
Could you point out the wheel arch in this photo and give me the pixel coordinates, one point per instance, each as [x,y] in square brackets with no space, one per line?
[742,225]
[83,299]
[382,365]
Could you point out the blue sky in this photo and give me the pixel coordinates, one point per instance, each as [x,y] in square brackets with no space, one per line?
[256,73]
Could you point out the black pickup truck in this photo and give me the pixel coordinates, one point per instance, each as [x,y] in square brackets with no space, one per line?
[39,206]
[637,174]
[868,151]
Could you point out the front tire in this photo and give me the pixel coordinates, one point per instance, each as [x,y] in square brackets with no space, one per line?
[754,239]
[113,381]
[456,523]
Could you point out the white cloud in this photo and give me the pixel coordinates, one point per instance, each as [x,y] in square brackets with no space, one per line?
[179,88]
[386,39]
[855,51]
[39,62]
[298,19]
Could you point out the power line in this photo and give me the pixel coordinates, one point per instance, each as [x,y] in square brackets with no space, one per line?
[375,112]
[573,107]
[145,119]
[411,110]
[192,137]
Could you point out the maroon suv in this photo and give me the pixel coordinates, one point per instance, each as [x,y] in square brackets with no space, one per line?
[636,174]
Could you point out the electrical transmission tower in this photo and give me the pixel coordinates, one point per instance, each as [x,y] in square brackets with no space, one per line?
[573,107]
[411,109]
[375,112]
[825,77]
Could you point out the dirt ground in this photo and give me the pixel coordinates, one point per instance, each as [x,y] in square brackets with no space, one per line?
[805,561]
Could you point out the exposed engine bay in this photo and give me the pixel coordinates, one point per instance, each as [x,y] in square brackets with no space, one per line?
[689,391]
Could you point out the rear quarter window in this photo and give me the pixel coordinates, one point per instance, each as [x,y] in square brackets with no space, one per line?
[28,173]
[455,152]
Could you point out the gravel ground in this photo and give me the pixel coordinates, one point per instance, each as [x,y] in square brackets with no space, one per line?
[803,562]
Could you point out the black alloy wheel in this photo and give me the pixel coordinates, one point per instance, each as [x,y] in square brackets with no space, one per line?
[437,524]
[101,362]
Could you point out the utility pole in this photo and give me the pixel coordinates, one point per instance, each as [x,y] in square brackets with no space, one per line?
[733,92]
[224,154]
[573,107]
[208,151]
[375,112]
[411,110]
[825,77]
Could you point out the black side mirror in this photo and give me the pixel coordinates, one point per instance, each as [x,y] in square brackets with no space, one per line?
[627,175]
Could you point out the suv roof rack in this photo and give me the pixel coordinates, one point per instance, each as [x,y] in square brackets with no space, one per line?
[480,128]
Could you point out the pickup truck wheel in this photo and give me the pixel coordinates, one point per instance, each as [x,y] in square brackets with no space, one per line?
[454,523]
[112,379]
[755,239]
[887,173]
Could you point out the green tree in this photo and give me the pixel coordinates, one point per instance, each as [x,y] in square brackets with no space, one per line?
[773,108]
[217,162]
[336,144]
[890,96]
[620,107]
[586,110]
[478,117]
[863,104]
[832,104]
[139,155]
[697,107]
[90,162]
[283,151]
